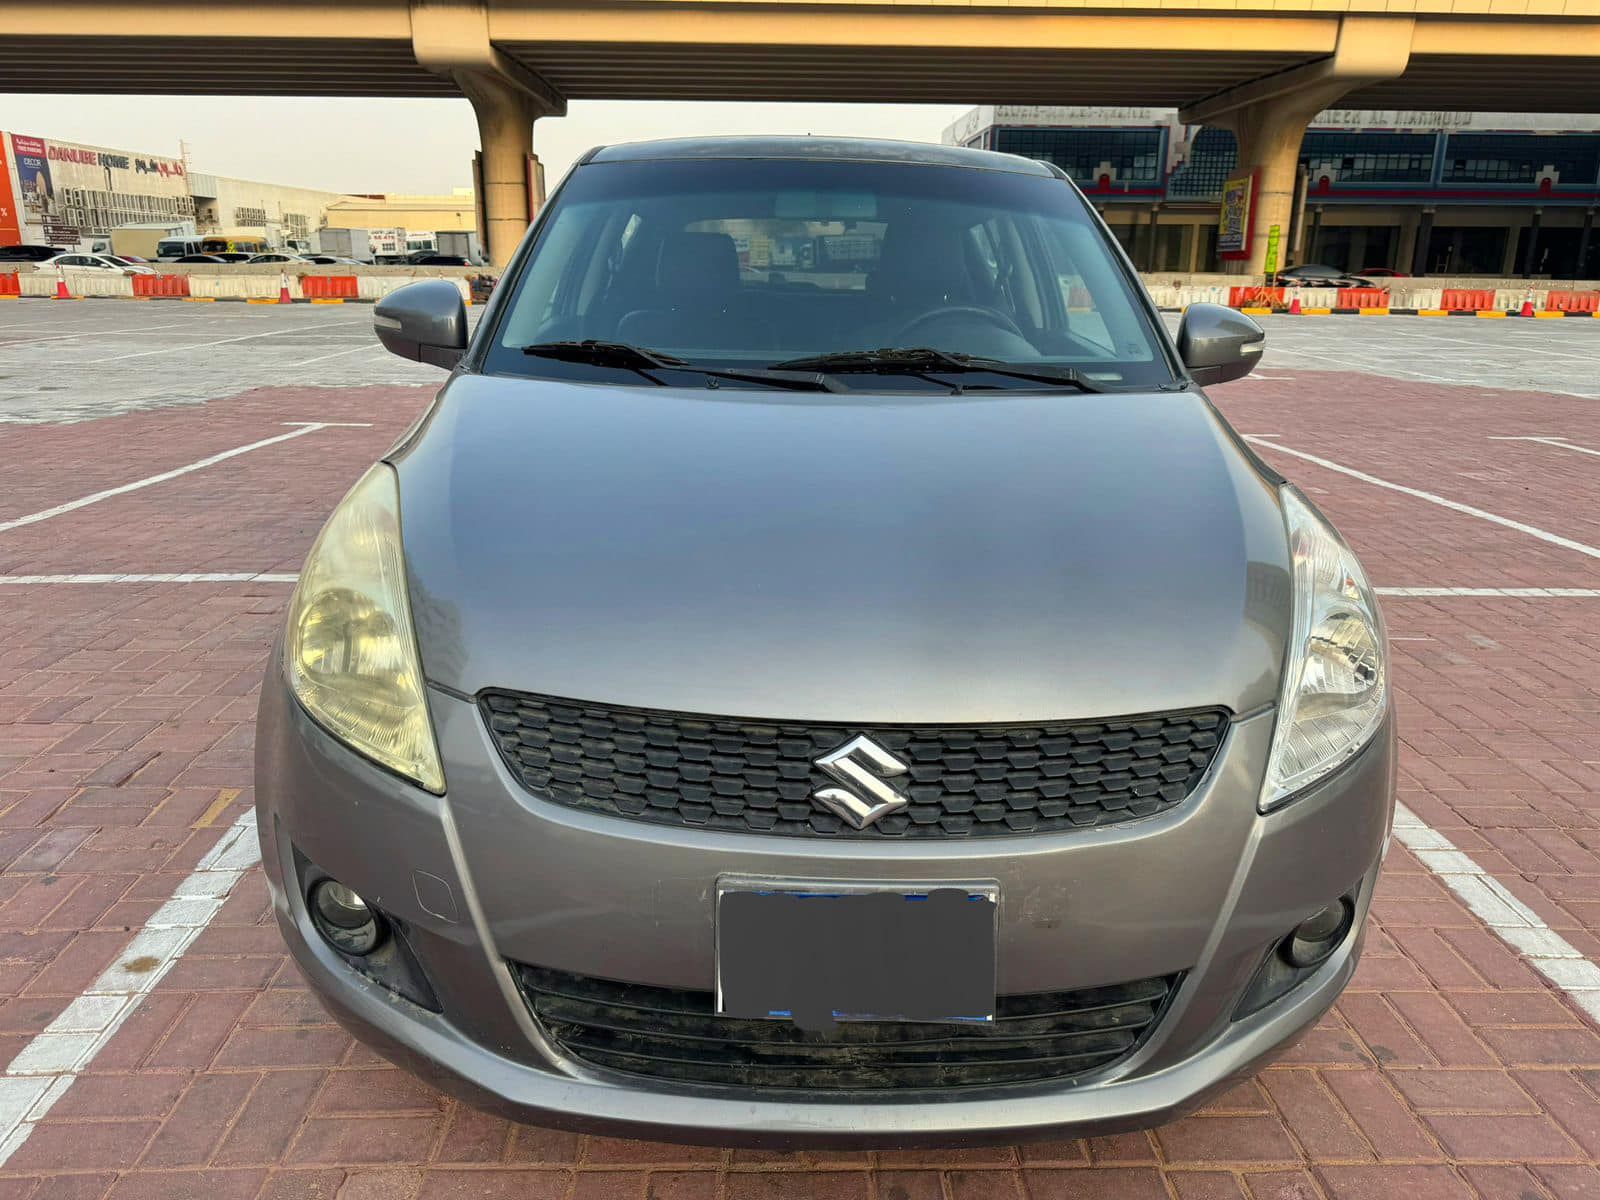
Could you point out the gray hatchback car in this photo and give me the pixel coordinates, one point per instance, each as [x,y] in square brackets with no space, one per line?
[822,672]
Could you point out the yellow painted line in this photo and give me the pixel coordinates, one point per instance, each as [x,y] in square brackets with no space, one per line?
[327,300]
[1432,312]
[225,797]
[261,300]
[1372,312]
[9,296]
[1548,315]
[200,299]
[1316,312]
[1493,314]
[1256,312]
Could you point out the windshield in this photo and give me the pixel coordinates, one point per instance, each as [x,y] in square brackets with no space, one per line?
[750,263]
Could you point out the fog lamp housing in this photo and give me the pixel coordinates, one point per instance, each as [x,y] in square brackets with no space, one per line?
[1319,935]
[344,919]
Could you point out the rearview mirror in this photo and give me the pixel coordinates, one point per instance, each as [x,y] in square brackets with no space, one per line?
[1218,344]
[423,321]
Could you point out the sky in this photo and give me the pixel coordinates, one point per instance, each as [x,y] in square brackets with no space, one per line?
[415,146]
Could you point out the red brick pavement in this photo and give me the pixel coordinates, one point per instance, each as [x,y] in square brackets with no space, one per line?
[1449,1069]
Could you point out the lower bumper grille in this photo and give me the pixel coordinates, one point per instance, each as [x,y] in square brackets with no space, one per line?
[676,1035]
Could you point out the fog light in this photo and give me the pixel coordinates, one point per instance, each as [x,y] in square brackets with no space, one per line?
[1318,935]
[344,919]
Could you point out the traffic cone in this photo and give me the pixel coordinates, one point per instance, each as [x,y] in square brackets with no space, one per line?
[61,286]
[1527,304]
[1294,307]
[283,288]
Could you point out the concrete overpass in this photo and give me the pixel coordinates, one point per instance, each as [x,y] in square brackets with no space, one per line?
[1260,67]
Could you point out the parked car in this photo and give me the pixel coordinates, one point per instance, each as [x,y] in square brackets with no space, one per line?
[95,262]
[274,256]
[1319,275]
[176,248]
[331,260]
[23,252]
[429,259]
[127,260]
[231,256]
[211,259]
[1383,273]
[897,711]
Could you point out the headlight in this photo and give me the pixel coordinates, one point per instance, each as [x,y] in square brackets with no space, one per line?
[350,651]
[1334,689]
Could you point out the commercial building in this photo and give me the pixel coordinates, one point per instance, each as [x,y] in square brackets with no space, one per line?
[68,194]
[1439,193]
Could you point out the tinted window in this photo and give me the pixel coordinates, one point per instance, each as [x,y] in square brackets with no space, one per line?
[746,262]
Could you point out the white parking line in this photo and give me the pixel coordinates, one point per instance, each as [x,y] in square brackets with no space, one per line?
[305,427]
[300,328]
[44,1069]
[1512,921]
[1560,443]
[66,337]
[1544,535]
[306,362]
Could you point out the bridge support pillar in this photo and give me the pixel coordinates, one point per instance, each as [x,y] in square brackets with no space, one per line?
[1269,116]
[510,180]
[452,38]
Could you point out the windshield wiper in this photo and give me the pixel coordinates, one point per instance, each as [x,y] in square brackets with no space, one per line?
[916,360]
[637,358]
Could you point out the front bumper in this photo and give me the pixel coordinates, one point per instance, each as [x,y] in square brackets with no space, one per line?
[489,874]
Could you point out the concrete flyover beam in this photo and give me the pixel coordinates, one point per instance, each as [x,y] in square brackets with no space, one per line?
[1269,117]
[451,38]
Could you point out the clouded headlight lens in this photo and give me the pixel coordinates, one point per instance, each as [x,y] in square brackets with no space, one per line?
[351,652]
[1334,687]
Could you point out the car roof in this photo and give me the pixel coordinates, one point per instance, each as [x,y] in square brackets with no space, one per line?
[831,149]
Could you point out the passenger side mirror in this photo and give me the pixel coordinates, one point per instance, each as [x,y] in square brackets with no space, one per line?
[423,321]
[1218,344]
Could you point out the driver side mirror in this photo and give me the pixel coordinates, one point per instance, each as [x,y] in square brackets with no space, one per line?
[424,321]
[1218,344]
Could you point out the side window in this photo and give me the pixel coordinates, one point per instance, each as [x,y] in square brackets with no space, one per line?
[1084,318]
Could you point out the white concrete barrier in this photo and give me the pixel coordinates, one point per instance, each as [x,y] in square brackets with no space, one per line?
[239,287]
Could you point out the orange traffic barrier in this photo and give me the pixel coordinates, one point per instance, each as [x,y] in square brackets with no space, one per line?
[160,285]
[1467,299]
[9,285]
[1363,298]
[1255,297]
[1573,302]
[329,287]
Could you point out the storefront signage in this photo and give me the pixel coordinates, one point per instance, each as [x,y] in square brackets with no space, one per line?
[10,218]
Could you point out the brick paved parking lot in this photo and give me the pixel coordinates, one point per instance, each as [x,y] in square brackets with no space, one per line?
[160,1044]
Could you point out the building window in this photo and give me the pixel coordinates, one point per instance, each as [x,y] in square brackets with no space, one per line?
[1520,157]
[1213,154]
[1345,158]
[249,216]
[1134,155]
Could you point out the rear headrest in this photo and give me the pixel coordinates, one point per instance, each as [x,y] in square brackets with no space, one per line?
[698,264]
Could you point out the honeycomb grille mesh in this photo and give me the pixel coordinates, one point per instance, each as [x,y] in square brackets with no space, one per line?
[664,1033]
[748,776]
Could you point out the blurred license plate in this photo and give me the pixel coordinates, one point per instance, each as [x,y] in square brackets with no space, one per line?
[822,953]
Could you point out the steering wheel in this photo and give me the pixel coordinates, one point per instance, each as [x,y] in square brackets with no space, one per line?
[906,334]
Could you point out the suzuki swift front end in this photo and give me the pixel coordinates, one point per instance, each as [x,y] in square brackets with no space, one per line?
[822,672]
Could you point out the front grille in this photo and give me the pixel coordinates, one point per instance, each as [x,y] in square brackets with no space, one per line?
[758,777]
[675,1035]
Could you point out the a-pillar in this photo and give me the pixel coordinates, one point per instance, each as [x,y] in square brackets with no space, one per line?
[1269,116]
[513,186]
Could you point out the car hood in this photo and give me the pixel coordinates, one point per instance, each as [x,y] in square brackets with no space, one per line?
[864,558]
